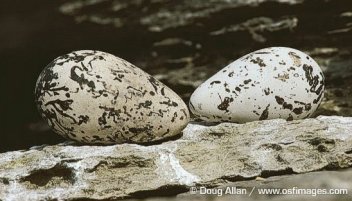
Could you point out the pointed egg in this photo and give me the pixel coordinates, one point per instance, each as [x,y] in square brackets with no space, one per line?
[95,97]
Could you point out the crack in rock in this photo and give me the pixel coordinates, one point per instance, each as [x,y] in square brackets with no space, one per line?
[170,168]
[208,155]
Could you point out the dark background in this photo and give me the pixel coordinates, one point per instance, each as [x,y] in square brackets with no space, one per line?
[181,42]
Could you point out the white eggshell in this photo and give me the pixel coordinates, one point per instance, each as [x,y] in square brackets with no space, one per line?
[276,82]
[95,97]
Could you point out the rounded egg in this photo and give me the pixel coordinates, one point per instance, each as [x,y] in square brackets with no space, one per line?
[275,82]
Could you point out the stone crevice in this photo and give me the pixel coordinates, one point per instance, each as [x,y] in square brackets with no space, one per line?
[242,153]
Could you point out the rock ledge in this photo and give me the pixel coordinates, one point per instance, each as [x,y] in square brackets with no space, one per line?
[205,155]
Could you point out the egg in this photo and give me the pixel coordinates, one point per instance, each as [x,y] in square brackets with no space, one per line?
[97,98]
[275,82]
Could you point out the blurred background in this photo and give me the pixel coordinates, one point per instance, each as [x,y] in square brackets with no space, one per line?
[181,43]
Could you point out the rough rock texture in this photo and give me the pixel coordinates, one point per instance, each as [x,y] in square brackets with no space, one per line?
[157,17]
[324,180]
[209,156]
[185,42]
[337,67]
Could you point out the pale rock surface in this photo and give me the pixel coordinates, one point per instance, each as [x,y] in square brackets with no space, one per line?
[206,155]
[307,182]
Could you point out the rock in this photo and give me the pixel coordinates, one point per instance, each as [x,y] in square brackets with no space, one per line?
[276,82]
[338,181]
[191,40]
[95,97]
[257,26]
[205,156]
[337,67]
[184,14]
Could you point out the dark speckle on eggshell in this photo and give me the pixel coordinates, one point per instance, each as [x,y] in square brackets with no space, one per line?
[286,82]
[265,113]
[95,97]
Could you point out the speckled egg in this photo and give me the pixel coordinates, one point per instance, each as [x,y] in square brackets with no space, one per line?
[95,97]
[276,82]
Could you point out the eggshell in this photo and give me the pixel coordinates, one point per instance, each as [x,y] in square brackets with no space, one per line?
[95,97]
[276,82]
